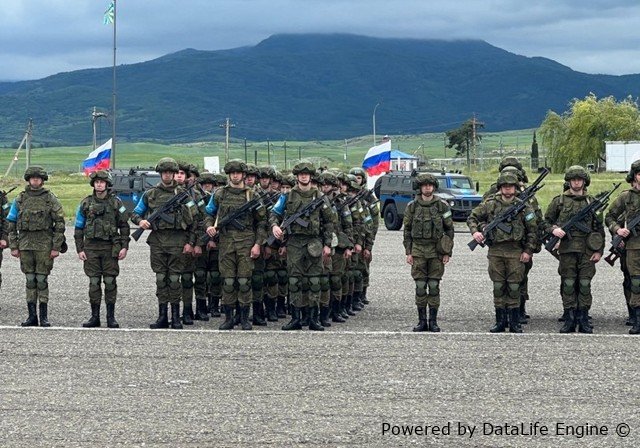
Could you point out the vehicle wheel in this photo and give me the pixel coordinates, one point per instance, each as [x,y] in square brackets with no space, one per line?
[392,220]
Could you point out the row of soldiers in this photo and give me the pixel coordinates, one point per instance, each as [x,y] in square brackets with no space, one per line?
[428,240]
[316,267]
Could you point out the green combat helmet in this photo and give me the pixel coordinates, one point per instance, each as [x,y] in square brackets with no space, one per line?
[357,171]
[184,166]
[207,178]
[635,169]
[513,170]
[267,171]
[167,164]
[328,178]
[101,175]
[290,180]
[194,170]
[303,167]
[577,172]
[35,171]
[507,179]
[235,166]
[510,161]
[221,179]
[425,179]
[277,177]
[252,169]
[353,183]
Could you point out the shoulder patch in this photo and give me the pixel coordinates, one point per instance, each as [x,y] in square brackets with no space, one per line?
[200,202]
[6,206]
[447,214]
[190,204]
[530,216]
[122,209]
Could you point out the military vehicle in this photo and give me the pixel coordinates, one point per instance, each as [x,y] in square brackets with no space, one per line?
[395,190]
[129,184]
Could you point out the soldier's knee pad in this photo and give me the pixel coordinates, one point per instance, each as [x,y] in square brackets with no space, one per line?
[498,289]
[325,283]
[344,278]
[270,278]
[227,285]
[314,284]
[434,287]
[294,284]
[335,282]
[31,281]
[568,286]
[110,283]
[357,276]
[161,280]
[200,276]
[215,278]
[187,280]
[635,285]
[585,286]
[174,281]
[244,284]
[283,277]
[514,290]
[421,288]
[257,280]
[93,281]
[42,281]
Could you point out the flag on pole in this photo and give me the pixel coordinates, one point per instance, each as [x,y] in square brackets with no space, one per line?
[109,14]
[378,159]
[98,159]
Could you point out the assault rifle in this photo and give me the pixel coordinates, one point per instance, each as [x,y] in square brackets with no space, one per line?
[164,212]
[299,217]
[364,194]
[617,248]
[503,220]
[232,219]
[4,194]
[578,220]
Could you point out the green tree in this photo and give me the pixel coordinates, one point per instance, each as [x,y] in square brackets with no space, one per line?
[462,138]
[577,136]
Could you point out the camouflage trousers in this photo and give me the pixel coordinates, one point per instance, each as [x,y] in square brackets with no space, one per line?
[631,263]
[257,279]
[304,271]
[236,267]
[506,273]
[187,278]
[36,266]
[167,263]
[338,277]
[576,271]
[101,266]
[275,276]
[427,273]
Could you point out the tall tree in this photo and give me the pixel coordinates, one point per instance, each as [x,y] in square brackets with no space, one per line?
[577,136]
[462,138]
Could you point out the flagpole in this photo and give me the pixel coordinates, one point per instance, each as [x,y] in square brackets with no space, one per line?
[113,113]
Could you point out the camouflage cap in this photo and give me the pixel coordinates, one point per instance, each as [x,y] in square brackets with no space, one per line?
[507,179]
[252,170]
[35,171]
[101,175]
[425,179]
[304,167]
[235,166]
[510,161]
[167,164]
[577,172]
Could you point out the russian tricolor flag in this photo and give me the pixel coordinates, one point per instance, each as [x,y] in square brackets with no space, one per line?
[99,159]
[378,159]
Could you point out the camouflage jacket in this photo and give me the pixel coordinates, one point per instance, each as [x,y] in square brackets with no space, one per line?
[425,225]
[101,223]
[625,208]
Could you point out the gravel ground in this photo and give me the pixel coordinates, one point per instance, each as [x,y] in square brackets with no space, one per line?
[353,385]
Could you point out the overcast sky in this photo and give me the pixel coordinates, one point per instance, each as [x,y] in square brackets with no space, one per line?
[43,37]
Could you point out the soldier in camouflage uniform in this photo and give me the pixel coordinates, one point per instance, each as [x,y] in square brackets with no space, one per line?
[509,251]
[238,247]
[624,209]
[305,246]
[428,243]
[288,182]
[214,279]
[36,236]
[170,240]
[102,239]
[580,253]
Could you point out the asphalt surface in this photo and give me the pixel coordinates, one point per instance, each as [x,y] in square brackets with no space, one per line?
[356,384]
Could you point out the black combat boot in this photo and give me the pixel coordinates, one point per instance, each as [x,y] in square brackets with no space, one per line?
[364,299]
[214,306]
[281,308]
[348,305]
[294,323]
[514,320]
[44,318]
[433,320]
[32,320]
[111,318]
[324,316]
[524,317]
[343,308]
[501,321]
[175,316]
[569,321]
[564,316]
[201,310]
[94,320]
[314,323]
[631,320]
[163,318]
[187,314]
[336,313]
[304,316]
[228,318]
[422,320]
[582,317]
[244,318]
[270,305]
[355,301]
[258,315]
[236,317]
[636,325]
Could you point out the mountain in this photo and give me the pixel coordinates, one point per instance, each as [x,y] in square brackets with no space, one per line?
[308,86]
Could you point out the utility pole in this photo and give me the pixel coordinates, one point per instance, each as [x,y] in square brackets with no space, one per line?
[299,152]
[245,151]
[94,118]
[25,139]
[268,152]
[227,126]
[285,154]
[346,150]
[28,141]
[474,124]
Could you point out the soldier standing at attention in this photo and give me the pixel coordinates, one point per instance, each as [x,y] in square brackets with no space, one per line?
[578,254]
[102,239]
[238,247]
[625,208]
[305,246]
[428,242]
[508,252]
[170,240]
[36,236]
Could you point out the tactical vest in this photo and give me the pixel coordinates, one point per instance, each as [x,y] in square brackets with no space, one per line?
[102,218]
[231,199]
[34,212]
[179,218]
[518,231]
[427,221]
[296,201]
[569,208]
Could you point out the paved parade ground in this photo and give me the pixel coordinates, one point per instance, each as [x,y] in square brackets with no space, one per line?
[368,382]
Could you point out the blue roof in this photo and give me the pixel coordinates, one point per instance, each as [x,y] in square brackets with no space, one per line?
[396,154]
